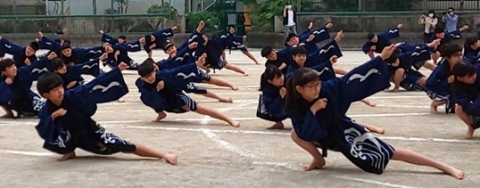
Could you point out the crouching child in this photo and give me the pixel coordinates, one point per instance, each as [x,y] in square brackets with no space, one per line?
[66,119]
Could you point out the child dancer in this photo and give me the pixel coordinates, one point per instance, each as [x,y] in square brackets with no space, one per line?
[15,84]
[66,119]
[271,100]
[162,90]
[318,116]
[466,89]
[439,81]
[376,43]
[22,56]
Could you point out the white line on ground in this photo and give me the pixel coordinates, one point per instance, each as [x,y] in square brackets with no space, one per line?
[207,119]
[403,106]
[398,97]
[287,133]
[387,115]
[17,122]
[28,153]
[280,164]
[226,145]
[373,182]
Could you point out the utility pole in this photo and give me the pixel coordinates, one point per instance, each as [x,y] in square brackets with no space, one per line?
[94,2]
[62,4]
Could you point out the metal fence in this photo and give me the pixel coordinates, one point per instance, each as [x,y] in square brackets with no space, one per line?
[356,22]
[84,24]
[385,5]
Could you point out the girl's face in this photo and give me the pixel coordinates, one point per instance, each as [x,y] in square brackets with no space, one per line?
[310,91]
[277,81]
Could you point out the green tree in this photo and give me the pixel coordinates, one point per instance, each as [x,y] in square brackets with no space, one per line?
[210,19]
[170,12]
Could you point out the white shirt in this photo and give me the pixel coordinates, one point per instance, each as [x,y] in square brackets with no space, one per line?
[290,18]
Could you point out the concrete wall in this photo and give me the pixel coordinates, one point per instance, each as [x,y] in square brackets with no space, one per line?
[19,2]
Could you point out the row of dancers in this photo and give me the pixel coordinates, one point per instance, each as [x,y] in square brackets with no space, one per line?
[315,98]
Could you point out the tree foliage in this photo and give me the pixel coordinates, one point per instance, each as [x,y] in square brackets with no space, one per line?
[208,17]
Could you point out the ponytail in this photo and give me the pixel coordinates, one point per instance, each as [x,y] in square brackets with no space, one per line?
[291,95]
[263,81]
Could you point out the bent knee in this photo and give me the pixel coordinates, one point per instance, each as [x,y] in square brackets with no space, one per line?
[459,109]
[294,136]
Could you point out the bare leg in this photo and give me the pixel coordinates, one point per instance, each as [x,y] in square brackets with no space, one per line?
[9,113]
[435,57]
[435,104]
[222,82]
[235,68]
[249,55]
[318,160]
[373,128]
[148,152]
[429,65]
[418,159]
[210,94]
[215,114]
[464,117]
[369,102]
[161,115]
[422,81]
[371,54]
[67,156]
[397,78]
[277,125]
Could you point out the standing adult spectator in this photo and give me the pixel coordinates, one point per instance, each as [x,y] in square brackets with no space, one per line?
[289,20]
[451,20]
[430,22]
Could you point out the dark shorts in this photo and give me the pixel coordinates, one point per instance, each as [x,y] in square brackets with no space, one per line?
[192,88]
[98,142]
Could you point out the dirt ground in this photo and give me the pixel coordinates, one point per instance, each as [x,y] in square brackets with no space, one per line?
[213,154]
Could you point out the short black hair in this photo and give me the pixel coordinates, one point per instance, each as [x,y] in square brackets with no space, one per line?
[122,37]
[146,67]
[167,45]
[6,63]
[34,45]
[66,41]
[449,49]
[290,36]
[463,68]
[370,36]
[56,63]
[267,50]
[65,45]
[299,50]
[47,81]
[439,29]
[471,40]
